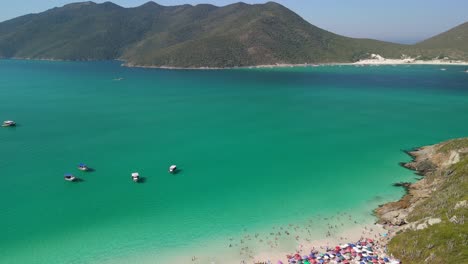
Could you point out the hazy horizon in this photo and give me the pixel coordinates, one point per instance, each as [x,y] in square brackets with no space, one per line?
[387,21]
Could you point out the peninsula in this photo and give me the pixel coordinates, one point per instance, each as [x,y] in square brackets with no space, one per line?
[429,221]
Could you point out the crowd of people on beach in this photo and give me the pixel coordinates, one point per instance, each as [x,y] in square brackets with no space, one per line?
[370,247]
[364,251]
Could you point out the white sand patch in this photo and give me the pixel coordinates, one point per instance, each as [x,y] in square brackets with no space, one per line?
[376,59]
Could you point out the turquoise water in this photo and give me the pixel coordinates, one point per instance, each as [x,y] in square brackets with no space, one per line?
[256,148]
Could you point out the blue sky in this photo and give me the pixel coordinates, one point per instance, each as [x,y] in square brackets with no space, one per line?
[403,21]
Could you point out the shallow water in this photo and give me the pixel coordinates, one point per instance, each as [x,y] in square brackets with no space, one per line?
[256,148]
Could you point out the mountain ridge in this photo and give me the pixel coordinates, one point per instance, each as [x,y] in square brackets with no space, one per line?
[190,36]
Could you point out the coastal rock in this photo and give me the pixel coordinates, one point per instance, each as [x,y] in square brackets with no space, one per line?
[396,218]
[433,221]
[454,158]
[426,161]
[461,204]
[421,226]
[454,219]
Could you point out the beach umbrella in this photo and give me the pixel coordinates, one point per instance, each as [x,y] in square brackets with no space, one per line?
[305,257]
[386,259]
[280,262]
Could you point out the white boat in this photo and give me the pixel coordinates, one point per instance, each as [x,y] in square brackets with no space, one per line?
[83,167]
[69,177]
[172,168]
[8,123]
[135,176]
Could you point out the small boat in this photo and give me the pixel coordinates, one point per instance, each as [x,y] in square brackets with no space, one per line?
[135,176]
[69,177]
[172,169]
[83,167]
[8,123]
[443,69]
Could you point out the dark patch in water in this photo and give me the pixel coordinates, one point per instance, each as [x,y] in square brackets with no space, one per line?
[141,180]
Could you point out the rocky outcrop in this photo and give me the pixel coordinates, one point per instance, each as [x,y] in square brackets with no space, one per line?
[429,162]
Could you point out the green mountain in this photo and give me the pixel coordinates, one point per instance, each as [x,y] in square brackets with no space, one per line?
[187,36]
[456,39]
[452,43]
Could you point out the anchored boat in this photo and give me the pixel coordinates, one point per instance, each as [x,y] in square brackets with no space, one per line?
[83,167]
[8,123]
[135,176]
[172,169]
[69,177]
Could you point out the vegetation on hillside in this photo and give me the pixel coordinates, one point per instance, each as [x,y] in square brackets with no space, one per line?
[447,241]
[191,36]
[455,39]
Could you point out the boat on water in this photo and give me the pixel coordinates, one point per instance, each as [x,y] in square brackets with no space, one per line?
[83,167]
[135,176]
[69,177]
[8,123]
[172,169]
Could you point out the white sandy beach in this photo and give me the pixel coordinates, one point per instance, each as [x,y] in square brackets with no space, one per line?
[275,243]
[379,60]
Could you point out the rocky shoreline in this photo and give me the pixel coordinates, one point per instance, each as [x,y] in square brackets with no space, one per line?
[432,163]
